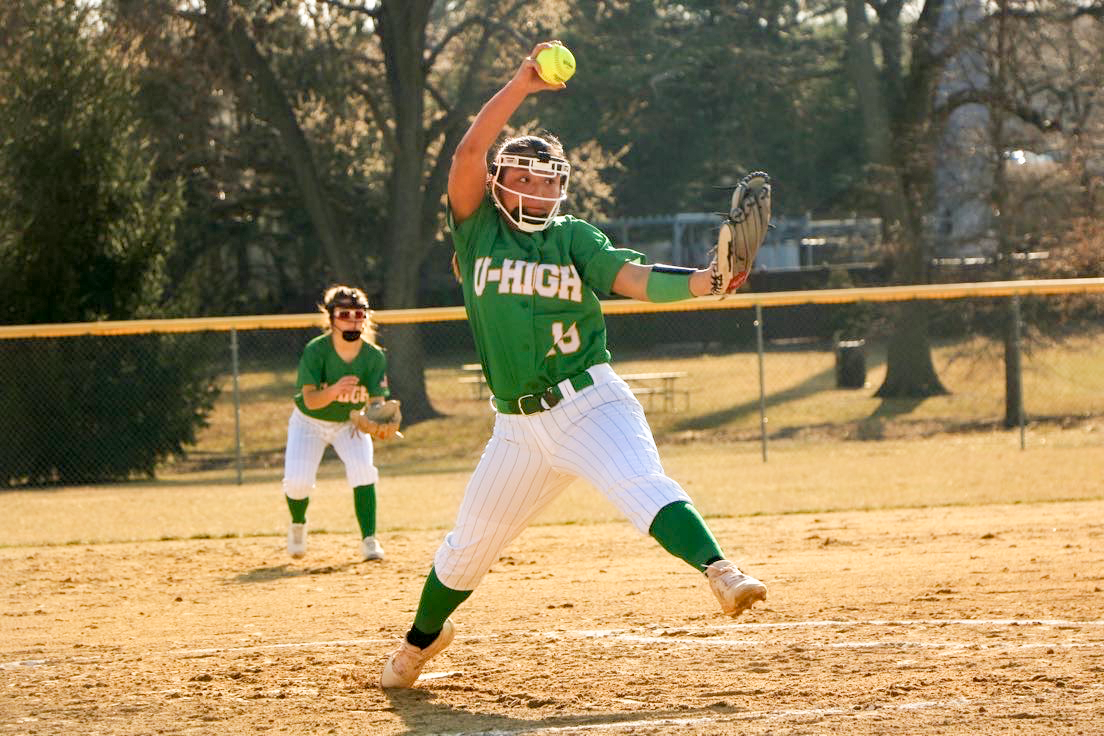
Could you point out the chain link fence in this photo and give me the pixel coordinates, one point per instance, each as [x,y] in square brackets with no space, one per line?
[209,399]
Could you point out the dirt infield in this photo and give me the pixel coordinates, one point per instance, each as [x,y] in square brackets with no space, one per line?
[945,620]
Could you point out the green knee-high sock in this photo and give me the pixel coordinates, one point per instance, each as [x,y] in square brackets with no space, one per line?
[680,529]
[436,603]
[364,499]
[298,509]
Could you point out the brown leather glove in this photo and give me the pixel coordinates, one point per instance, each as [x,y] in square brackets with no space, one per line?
[380,420]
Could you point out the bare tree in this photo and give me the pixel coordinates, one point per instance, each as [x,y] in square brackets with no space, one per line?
[229,26]
[896,101]
[434,64]
[425,69]
[1043,79]
[1045,66]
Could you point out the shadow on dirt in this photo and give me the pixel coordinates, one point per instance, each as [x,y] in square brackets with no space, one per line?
[265,574]
[421,715]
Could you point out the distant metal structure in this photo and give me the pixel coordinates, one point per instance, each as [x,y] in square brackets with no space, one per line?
[794,243]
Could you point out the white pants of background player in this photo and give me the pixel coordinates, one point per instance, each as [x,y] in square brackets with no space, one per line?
[307,440]
[598,434]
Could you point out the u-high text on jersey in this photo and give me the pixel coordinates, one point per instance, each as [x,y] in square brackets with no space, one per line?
[552,280]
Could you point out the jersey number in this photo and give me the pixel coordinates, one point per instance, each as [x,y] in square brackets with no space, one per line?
[566,342]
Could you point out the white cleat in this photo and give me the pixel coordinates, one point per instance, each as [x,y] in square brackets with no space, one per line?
[297,540]
[405,663]
[735,590]
[370,549]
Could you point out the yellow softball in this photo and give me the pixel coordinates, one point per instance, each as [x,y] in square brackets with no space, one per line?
[556,64]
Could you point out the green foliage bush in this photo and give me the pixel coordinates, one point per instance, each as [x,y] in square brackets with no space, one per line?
[96,409]
[85,228]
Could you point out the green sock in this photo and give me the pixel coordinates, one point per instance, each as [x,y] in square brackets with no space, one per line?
[436,603]
[364,498]
[298,509]
[680,529]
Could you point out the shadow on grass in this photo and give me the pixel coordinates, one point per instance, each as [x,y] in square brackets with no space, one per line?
[280,572]
[421,715]
[893,408]
[813,384]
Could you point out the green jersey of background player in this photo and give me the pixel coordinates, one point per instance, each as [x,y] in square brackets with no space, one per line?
[339,371]
[530,279]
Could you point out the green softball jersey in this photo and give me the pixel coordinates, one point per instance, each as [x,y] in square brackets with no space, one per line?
[320,365]
[530,297]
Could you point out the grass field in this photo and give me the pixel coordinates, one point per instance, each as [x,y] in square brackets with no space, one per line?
[725,479]
[829,449]
[1063,383]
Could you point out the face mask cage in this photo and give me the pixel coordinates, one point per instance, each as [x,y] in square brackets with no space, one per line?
[541,164]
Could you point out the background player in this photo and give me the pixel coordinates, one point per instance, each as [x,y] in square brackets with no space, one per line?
[339,371]
[530,279]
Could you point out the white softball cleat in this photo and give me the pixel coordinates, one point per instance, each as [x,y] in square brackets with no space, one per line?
[297,540]
[735,590]
[405,664]
[370,549]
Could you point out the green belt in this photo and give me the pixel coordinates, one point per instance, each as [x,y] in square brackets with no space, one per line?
[534,403]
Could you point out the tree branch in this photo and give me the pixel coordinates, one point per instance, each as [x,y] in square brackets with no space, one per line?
[1029,115]
[231,30]
[353,8]
[383,121]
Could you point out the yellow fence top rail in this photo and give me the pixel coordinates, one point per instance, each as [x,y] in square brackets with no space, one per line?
[618,306]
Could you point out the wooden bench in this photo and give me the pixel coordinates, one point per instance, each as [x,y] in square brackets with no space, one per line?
[473,375]
[659,386]
[660,389]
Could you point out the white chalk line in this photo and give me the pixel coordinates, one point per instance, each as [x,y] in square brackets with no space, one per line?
[286,645]
[694,641]
[791,714]
[691,640]
[877,622]
[628,635]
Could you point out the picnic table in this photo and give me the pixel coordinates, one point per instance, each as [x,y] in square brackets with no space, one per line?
[659,386]
[659,389]
[472,374]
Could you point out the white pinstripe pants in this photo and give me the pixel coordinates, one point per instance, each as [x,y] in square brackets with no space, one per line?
[307,440]
[598,434]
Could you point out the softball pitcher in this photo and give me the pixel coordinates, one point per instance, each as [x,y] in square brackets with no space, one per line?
[530,279]
[339,371]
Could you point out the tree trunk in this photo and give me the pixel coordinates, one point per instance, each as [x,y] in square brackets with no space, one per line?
[418,177]
[893,167]
[406,354]
[278,112]
[909,369]
[877,135]
[402,33]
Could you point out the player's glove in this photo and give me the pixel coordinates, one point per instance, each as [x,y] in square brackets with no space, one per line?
[379,420]
[742,233]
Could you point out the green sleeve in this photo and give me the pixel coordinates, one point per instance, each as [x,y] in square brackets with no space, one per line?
[596,258]
[463,234]
[310,368]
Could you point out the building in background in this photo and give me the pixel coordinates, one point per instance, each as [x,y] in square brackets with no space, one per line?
[792,245]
